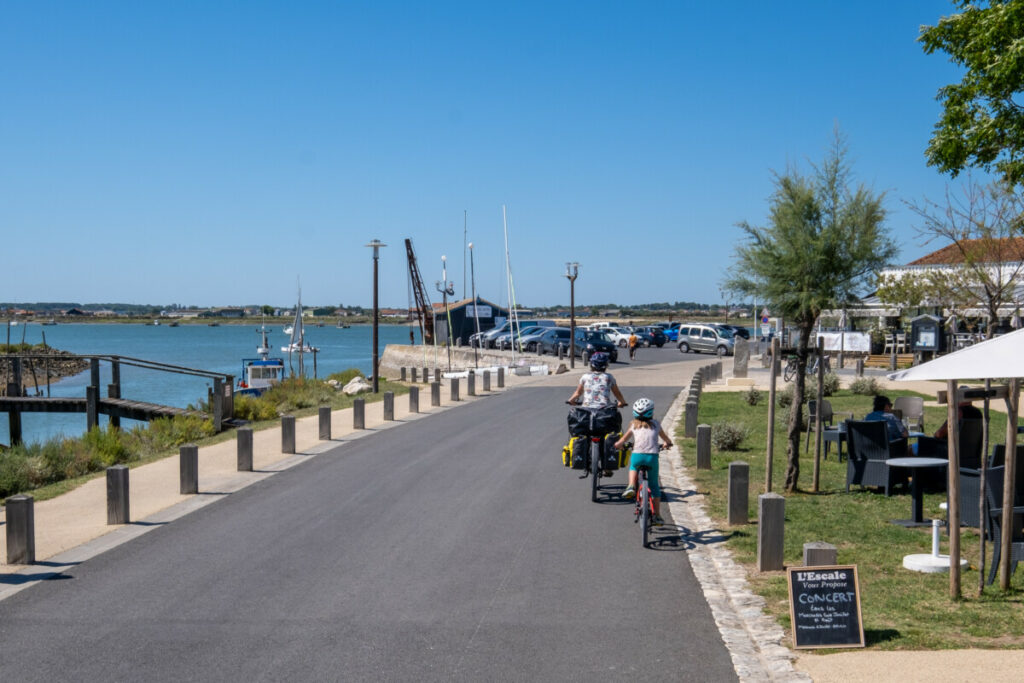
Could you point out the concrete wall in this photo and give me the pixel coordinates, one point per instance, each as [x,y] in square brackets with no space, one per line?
[396,356]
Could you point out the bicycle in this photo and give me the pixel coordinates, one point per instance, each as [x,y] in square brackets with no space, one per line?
[643,509]
[789,372]
[593,468]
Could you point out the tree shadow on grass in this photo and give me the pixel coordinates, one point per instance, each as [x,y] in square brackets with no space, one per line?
[873,636]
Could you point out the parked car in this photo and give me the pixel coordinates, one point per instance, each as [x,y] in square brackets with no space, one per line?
[702,338]
[587,343]
[488,338]
[736,329]
[528,342]
[618,335]
[504,341]
[596,342]
[652,335]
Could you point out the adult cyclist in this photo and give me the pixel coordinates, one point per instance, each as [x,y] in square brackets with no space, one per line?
[598,386]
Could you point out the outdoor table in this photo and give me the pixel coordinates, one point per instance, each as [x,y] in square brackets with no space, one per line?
[916,493]
[835,435]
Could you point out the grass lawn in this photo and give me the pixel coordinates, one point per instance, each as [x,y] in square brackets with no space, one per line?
[901,609]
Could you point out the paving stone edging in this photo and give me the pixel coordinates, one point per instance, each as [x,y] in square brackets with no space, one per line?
[753,639]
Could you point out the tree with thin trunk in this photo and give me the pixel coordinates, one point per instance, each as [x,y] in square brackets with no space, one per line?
[982,263]
[824,242]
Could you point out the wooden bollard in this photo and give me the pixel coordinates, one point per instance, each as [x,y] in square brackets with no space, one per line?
[770,531]
[471,383]
[359,413]
[453,389]
[820,554]
[324,414]
[389,406]
[691,419]
[703,446]
[860,367]
[243,437]
[501,378]
[188,468]
[437,374]
[435,394]
[414,400]
[487,380]
[403,375]
[287,433]
[415,375]
[117,495]
[21,530]
[426,375]
[739,492]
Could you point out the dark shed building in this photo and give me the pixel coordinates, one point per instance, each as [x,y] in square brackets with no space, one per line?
[462,317]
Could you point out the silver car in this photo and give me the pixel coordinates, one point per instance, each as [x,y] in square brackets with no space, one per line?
[705,339]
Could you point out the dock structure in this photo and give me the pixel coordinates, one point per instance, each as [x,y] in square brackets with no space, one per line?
[15,401]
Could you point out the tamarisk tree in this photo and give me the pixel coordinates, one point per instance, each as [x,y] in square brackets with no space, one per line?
[824,241]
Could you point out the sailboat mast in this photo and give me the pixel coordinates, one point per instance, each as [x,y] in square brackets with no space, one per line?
[508,275]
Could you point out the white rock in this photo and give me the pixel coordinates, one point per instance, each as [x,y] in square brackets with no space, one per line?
[357,385]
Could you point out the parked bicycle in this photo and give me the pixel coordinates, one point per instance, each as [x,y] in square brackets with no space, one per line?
[789,372]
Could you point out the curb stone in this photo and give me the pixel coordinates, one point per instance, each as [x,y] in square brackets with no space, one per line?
[753,639]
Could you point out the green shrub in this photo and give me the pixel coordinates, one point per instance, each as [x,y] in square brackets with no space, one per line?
[751,396]
[13,472]
[298,393]
[254,408]
[785,397]
[865,386]
[167,433]
[830,385]
[106,447]
[727,436]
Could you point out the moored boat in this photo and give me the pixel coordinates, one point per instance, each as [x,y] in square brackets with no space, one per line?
[259,374]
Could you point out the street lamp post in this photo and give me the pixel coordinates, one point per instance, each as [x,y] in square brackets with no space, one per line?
[572,271]
[447,289]
[476,314]
[375,245]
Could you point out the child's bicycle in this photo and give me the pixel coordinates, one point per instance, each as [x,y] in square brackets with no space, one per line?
[643,510]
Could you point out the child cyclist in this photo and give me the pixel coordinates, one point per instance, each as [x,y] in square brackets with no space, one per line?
[645,430]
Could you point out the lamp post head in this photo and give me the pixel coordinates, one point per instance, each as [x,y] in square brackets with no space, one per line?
[376,245]
[572,270]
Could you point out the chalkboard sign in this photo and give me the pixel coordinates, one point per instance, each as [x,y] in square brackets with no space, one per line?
[824,607]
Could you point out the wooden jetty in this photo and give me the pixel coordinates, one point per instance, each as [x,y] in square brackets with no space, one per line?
[116,407]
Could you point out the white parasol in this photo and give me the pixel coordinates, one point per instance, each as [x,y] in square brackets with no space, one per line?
[1002,356]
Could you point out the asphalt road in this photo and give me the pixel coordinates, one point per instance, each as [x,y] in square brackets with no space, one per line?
[453,548]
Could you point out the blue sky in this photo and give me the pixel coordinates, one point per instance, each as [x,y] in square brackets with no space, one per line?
[211,153]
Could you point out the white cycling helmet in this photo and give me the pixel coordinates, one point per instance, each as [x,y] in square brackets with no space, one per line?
[643,408]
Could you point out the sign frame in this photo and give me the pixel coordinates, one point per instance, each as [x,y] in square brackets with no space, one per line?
[797,591]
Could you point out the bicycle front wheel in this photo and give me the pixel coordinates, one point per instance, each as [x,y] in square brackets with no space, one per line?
[789,373]
[595,466]
[645,511]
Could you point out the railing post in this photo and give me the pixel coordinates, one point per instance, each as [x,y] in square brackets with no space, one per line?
[188,468]
[244,438]
[218,404]
[324,414]
[389,406]
[114,388]
[414,399]
[21,530]
[92,407]
[359,413]
[117,495]
[287,433]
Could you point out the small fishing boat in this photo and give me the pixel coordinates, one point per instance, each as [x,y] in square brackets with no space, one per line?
[259,374]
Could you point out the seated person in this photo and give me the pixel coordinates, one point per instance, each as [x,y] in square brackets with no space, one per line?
[883,413]
[965,411]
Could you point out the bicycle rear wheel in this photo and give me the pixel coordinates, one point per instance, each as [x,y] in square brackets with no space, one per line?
[645,509]
[790,372]
[595,466]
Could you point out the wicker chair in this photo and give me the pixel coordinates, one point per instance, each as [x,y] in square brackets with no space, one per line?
[812,411]
[994,499]
[869,448]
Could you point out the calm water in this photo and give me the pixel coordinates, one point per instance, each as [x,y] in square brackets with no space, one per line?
[220,349]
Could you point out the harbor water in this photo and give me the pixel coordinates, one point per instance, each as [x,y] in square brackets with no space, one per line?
[218,348]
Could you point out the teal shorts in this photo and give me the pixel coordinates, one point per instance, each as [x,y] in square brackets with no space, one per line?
[650,461]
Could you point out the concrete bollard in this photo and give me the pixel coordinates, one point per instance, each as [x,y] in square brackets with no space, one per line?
[21,530]
[770,531]
[453,392]
[324,424]
[359,413]
[471,383]
[739,492]
[501,378]
[435,394]
[117,495]
[287,433]
[820,554]
[487,380]
[389,406]
[414,400]
[244,439]
[403,377]
[188,468]
[561,352]
[703,447]
[415,375]
[691,419]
